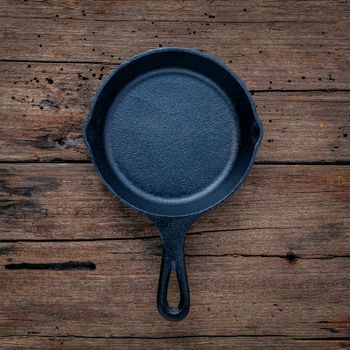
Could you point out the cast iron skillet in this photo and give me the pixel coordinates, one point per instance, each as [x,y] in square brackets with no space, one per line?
[172,133]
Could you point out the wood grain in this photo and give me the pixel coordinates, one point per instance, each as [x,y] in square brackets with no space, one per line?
[43,108]
[268,269]
[280,52]
[188,343]
[280,209]
[180,11]
[231,296]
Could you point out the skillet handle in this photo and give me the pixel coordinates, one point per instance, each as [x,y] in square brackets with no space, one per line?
[173,233]
[173,260]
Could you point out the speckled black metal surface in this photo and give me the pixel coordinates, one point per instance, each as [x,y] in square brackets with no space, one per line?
[172,133]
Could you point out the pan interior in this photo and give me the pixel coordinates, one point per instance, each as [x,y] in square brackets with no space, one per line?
[171,136]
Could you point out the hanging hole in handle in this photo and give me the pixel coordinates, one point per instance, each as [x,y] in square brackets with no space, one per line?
[173,290]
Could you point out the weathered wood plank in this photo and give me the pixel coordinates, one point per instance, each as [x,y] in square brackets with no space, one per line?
[303,209]
[192,10]
[243,294]
[278,52]
[43,107]
[231,296]
[190,343]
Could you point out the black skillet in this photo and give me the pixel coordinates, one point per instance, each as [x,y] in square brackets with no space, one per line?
[172,133]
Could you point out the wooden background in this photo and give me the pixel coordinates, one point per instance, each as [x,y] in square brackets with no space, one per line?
[269,269]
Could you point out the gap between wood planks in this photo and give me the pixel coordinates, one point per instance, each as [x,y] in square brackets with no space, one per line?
[71,265]
[259,162]
[34,334]
[70,18]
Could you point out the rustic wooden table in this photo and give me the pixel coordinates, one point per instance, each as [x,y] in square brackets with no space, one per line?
[269,269]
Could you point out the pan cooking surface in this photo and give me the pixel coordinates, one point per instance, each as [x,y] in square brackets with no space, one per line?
[171,135]
[172,132]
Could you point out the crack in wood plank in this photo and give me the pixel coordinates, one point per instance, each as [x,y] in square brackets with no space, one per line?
[62,266]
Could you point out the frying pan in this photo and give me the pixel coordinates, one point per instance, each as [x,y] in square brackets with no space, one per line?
[172,133]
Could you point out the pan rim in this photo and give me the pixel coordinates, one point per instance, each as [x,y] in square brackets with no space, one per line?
[162,50]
